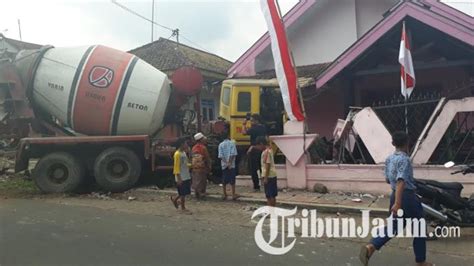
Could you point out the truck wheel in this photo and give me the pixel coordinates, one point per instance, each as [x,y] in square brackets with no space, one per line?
[58,172]
[117,169]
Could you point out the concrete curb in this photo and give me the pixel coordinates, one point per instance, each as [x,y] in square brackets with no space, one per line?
[326,208]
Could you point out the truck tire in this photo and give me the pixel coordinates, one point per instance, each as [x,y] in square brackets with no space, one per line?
[58,172]
[117,169]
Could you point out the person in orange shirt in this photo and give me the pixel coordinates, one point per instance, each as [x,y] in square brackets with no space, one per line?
[201,165]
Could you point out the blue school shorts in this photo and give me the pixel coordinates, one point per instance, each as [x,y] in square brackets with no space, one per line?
[185,188]
[228,176]
[271,188]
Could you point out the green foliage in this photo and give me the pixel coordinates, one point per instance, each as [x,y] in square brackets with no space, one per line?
[17,185]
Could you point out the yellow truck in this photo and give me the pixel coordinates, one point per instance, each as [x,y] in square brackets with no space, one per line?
[241,97]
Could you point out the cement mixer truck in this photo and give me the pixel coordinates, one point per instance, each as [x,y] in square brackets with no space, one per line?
[96,111]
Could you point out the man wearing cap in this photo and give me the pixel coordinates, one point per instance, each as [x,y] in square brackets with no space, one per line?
[201,165]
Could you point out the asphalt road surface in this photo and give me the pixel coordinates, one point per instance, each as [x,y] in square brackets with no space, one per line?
[116,232]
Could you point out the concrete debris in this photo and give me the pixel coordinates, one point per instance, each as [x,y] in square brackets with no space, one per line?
[101,196]
[250,208]
[320,188]
[358,200]
[10,171]
[131,198]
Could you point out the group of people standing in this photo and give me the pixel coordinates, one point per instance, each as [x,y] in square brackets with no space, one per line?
[261,160]
[194,172]
[191,173]
[398,173]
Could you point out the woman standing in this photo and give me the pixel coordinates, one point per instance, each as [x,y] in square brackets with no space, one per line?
[201,165]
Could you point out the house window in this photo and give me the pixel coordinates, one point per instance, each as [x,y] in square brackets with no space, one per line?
[207,110]
[244,102]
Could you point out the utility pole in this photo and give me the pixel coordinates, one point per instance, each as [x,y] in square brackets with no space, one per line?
[19,29]
[152,17]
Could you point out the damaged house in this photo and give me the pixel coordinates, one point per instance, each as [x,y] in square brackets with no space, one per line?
[350,51]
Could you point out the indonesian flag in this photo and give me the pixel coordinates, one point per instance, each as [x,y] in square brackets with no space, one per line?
[407,71]
[284,68]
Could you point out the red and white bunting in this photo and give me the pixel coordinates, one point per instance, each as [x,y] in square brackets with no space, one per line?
[407,71]
[284,68]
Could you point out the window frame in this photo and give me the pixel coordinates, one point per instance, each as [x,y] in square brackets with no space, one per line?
[248,104]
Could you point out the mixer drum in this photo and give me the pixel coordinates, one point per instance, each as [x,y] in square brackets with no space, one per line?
[98,90]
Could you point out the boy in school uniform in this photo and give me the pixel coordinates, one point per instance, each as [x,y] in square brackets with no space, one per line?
[182,175]
[227,151]
[268,171]
[399,174]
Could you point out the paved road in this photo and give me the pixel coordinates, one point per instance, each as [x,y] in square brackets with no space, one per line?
[62,232]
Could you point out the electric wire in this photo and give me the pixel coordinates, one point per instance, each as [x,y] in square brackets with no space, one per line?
[174,31]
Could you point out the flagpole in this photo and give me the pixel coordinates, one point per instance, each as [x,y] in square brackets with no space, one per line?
[300,93]
[406,111]
[405,89]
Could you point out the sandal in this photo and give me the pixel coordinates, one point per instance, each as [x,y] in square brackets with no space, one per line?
[174,202]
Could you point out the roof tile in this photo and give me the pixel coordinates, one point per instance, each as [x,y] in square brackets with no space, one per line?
[166,55]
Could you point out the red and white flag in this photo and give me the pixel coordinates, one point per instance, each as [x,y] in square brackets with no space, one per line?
[284,68]
[407,71]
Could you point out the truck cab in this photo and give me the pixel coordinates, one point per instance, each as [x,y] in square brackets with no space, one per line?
[240,97]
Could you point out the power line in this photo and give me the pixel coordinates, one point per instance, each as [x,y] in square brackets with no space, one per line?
[139,15]
[195,44]
[152,17]
[175,32]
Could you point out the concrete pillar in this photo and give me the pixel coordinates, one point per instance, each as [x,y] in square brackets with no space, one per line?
[296,174]
[294,144]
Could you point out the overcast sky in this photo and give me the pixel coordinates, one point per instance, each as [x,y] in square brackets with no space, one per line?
[225,27]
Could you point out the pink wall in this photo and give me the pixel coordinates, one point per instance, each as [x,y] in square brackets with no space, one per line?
[369,178]
[364,178]
[245,180]
[314,26]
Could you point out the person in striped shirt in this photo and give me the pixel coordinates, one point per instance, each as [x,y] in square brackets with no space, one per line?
[227,151]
